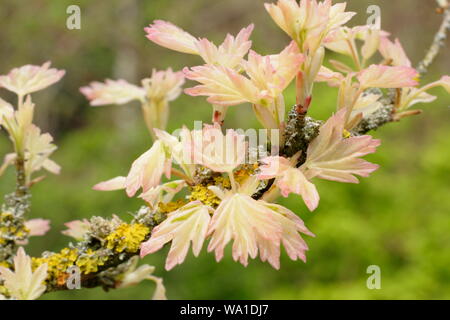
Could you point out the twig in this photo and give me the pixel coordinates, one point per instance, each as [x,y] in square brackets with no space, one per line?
[438,42]
[17,205]
[13,215]
[21,184]
[386,114]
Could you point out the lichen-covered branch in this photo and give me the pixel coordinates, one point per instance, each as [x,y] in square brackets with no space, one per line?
[13,216]
[103,256]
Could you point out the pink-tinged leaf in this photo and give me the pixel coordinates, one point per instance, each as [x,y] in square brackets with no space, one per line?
[309,21]
[164,85]
[172,37]
[292,227]
[333,157]
[112,92]
[380,76]
[146,171]
[338,41]
[239,45]
[445,82]
[77,229]
[223,86]
[284,14]
[394,52]
[116,183]
[230,53]
[290,180]
[294,181]
[272,74]
[334,79]
[37,227]
[338,15]
[413,96]
[208,51]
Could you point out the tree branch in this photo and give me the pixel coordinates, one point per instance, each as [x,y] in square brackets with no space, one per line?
[13,215]
[437,43]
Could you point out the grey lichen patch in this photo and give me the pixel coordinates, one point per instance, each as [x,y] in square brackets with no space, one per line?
[261,189]
[149,217]
[204,175]
[12,225]
[375,120]
[300,131]
[112,276]
[101,227]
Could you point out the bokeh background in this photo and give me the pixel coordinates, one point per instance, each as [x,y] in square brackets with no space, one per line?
[398,219]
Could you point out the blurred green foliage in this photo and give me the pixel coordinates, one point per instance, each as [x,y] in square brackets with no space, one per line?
[398,219]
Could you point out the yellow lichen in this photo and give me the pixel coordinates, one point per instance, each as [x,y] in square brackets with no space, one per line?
[89,261]
[223,182]
[10,229]
[6,215]
[57,263]
[171,206]
[203,194]
[127,237]
[246,171]
[346,134]
[3,291]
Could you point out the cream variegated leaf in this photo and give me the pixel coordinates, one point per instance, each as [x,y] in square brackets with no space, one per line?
[30,78]
[333,157]
[243,220]
[112,92]
[183,226]
[23,283]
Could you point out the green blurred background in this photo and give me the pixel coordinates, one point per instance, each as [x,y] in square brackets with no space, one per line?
[399,219]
